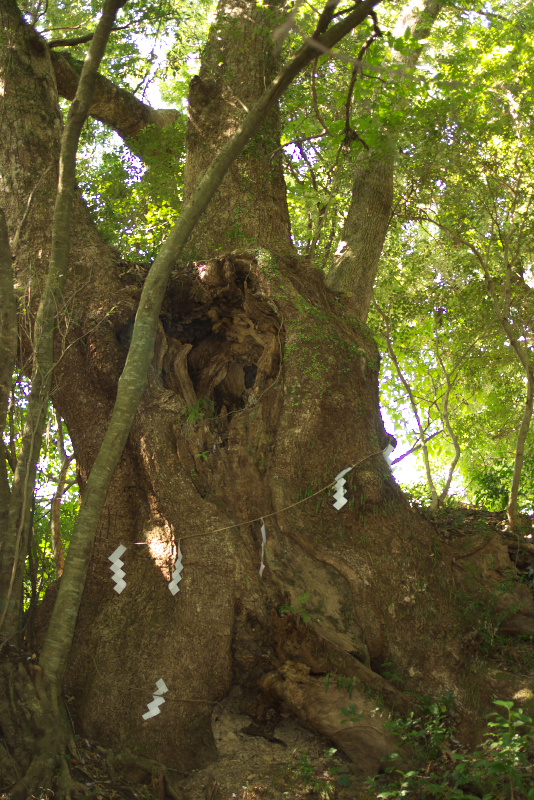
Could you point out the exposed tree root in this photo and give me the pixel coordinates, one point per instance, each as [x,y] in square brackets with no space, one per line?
[162,786]
[360,733]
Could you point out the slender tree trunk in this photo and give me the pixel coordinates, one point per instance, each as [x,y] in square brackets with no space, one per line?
[501,305]
[8,353]
[513,510]
[447,422]
[423,439]
[502,312]
[55,510]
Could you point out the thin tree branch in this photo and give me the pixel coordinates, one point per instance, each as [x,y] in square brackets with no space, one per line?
[413,403]
[314,97]
[523,356]
[447,421]
[350,135]
[415,448]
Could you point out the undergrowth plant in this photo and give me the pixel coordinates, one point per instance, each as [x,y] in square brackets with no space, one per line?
[500,768]
[314,782]
[303,608]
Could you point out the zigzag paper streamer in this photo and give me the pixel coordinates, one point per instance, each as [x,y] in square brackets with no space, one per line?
[263,541]
[339,489]
[387,451]
[117,568]
[177,574]
[157,700]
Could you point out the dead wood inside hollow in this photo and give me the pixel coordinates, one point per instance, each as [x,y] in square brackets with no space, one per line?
[220,347]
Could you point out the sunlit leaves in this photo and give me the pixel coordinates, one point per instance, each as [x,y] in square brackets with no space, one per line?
[133,206]
[466,181]
[442,322]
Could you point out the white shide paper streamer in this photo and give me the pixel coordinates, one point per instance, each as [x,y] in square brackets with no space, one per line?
[157,700]
[263,541]
[339,489]
[117,568]
[177,574]
[387,452]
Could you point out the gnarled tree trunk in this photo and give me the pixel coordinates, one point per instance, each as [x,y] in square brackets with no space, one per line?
[262,389]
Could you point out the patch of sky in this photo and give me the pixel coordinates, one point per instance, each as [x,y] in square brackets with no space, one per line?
[408,470]
[154,52]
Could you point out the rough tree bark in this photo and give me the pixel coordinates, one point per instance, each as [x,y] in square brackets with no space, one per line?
[133,379]
[230,80]
[263,387]
[32,708]
[17,533]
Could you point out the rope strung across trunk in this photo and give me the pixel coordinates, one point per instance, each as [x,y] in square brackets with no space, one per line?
[274,513]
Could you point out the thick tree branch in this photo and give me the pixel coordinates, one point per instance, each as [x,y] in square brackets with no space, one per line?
[326,17]
[70,42]
[113,106]
[356,263]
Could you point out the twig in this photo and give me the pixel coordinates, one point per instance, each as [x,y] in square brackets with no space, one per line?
[415,448]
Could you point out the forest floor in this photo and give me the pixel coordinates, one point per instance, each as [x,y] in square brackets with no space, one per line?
[292,763]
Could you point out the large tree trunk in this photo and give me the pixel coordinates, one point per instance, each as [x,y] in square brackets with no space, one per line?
[238,62]
[262,389]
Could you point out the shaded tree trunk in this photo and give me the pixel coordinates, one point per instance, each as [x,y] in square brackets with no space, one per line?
[367,222]
[8,355]
[16,535]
